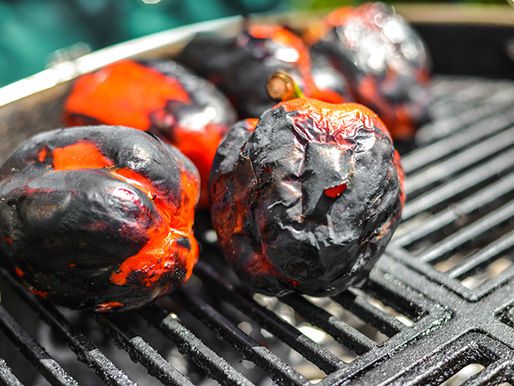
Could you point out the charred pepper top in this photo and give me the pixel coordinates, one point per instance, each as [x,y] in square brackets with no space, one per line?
[240,66]
[384,61]
[158,96]
[310,200]
[99,217]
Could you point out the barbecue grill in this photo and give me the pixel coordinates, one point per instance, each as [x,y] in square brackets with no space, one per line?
[438,307]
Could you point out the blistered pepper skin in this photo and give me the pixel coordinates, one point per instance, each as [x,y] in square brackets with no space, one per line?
[310,201]
[98,218]
[241,66]
[385,62]
[159,96]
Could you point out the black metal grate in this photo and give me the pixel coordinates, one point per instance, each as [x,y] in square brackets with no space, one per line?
[440,300]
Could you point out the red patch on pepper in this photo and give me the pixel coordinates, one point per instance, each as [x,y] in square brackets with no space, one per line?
[42,154]
[200,147]
[39,293]
[335,191]
[157,257]
[108,306]
[401,176]
[80,155]
[126,93]
[251,124]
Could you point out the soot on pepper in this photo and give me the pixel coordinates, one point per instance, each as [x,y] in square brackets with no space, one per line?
[384,61]
[158,96]
[99,218]
[306,197]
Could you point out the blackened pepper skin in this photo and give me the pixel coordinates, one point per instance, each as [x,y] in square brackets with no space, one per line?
[98,218]
[307,197]
[384,60]
[159,96]
[327,76]
[241,66]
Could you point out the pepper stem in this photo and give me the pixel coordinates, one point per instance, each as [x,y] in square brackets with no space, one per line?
[282,87]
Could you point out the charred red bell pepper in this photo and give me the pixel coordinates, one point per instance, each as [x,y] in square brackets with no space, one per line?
[99,218]
[307,197]
[158,96]
[384,60]
[240,66]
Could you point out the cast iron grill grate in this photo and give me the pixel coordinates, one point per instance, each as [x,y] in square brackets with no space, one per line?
[438,307]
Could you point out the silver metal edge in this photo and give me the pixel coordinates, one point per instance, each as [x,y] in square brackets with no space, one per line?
[66,71]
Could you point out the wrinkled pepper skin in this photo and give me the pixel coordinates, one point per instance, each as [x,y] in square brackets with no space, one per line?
[310,200]
[384,61]
[98,218]
[159,96]
[241,66]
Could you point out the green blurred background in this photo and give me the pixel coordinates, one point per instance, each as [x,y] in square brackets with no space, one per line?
[32,30]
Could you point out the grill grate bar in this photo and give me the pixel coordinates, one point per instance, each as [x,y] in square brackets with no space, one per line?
[34,352]
[278,370]
[468,94]
[482,197]
[438,250]
[494,374]
[357,304]
[85,350]
[447,146]
[473,177]
[404,301]
[448,121]
[481,257]
[470,348]
[6,375]
[510,315]
[289,334]
[140,351]
[456,357]
[477,91]
[351,338]
[442,86]
[452,165]
[188,343]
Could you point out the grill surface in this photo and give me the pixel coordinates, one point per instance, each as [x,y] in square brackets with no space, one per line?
[438,307]
[439,300]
